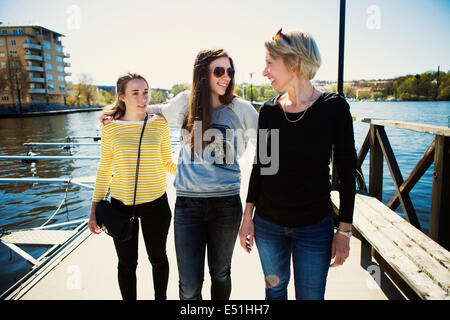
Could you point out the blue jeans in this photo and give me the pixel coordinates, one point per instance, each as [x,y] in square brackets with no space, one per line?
[200,223]
[310,248]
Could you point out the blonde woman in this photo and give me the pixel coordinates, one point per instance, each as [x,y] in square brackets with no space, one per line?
[293,215]
[120,140]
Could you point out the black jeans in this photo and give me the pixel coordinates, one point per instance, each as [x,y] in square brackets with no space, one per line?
[155,218]
[200,223]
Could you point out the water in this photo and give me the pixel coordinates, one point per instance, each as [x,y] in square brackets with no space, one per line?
[408,146]
[30,205]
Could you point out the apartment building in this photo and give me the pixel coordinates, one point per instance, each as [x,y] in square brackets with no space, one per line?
[42,54]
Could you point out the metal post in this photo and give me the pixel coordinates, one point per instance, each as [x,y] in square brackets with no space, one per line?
[251,87]
[340,87]
[334,179]
[438,80]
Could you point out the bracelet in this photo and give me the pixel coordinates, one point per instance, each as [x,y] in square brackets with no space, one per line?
[345,233]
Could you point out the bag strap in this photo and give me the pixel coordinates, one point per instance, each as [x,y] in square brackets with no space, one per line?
[137,165]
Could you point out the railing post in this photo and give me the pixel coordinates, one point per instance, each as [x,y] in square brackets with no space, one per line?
[376,165]
[440,197]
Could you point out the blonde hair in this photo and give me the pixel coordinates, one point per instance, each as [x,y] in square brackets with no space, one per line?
[300,53]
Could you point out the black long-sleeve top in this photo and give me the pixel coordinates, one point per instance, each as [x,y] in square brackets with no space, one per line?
[298,194]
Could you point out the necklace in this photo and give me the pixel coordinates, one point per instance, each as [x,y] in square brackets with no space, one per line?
[301,117]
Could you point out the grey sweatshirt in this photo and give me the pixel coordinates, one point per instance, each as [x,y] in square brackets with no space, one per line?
[214,172]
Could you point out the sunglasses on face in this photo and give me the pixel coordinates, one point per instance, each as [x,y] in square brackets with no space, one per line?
[282,36]
[220,71]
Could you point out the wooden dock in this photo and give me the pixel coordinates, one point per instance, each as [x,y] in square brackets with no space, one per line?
[89,271]
[390,258]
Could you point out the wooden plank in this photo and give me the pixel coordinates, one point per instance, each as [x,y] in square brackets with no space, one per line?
[409,272]
[394,277]
[435,250]
[402,265]
[419,127]
[440,197]
[359,161]
[363,151]
[430,266]
[439,253]
[394,169]
[416,173]
[376,166]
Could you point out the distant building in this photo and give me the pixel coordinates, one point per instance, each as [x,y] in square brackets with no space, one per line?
[110,89]
[41,52]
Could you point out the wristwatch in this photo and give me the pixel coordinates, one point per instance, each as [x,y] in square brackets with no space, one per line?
[345,233]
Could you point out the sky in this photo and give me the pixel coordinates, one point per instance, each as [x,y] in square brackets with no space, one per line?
[160,39]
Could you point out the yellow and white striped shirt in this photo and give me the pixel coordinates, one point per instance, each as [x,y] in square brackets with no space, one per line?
[120,142]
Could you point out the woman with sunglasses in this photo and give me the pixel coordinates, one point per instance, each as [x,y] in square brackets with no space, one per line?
[293,215]
[214,134]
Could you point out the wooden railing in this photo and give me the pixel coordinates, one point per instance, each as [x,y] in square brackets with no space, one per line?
[377,142]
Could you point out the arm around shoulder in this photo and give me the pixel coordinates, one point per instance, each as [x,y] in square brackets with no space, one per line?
[175,110]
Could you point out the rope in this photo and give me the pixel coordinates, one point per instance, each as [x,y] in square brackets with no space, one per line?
[59,207]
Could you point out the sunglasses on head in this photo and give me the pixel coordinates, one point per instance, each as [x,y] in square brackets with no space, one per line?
[220,71]
[282,36]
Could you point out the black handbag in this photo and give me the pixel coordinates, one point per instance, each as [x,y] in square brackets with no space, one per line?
[113,221]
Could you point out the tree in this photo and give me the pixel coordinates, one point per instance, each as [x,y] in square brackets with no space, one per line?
[86,89]
[266,92]
[238,90]
[16,84]
[248,93]
[349,92]
[406,89]
[177,88]
[158,96]
[377,95]
[395,88]
[108,98]
[84,92]
[363,94]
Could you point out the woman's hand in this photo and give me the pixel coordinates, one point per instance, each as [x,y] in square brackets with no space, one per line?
[104,118]
[247,231]
[92,224]
[340,247]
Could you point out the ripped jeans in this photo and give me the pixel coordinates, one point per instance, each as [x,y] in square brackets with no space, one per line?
[310,248]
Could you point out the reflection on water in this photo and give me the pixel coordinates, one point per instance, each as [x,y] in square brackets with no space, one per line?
[30,205]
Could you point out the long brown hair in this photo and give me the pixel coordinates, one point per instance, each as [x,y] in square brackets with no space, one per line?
[199,106]
[118,108]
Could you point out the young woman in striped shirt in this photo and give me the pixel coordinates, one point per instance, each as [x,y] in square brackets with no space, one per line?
[120,141]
